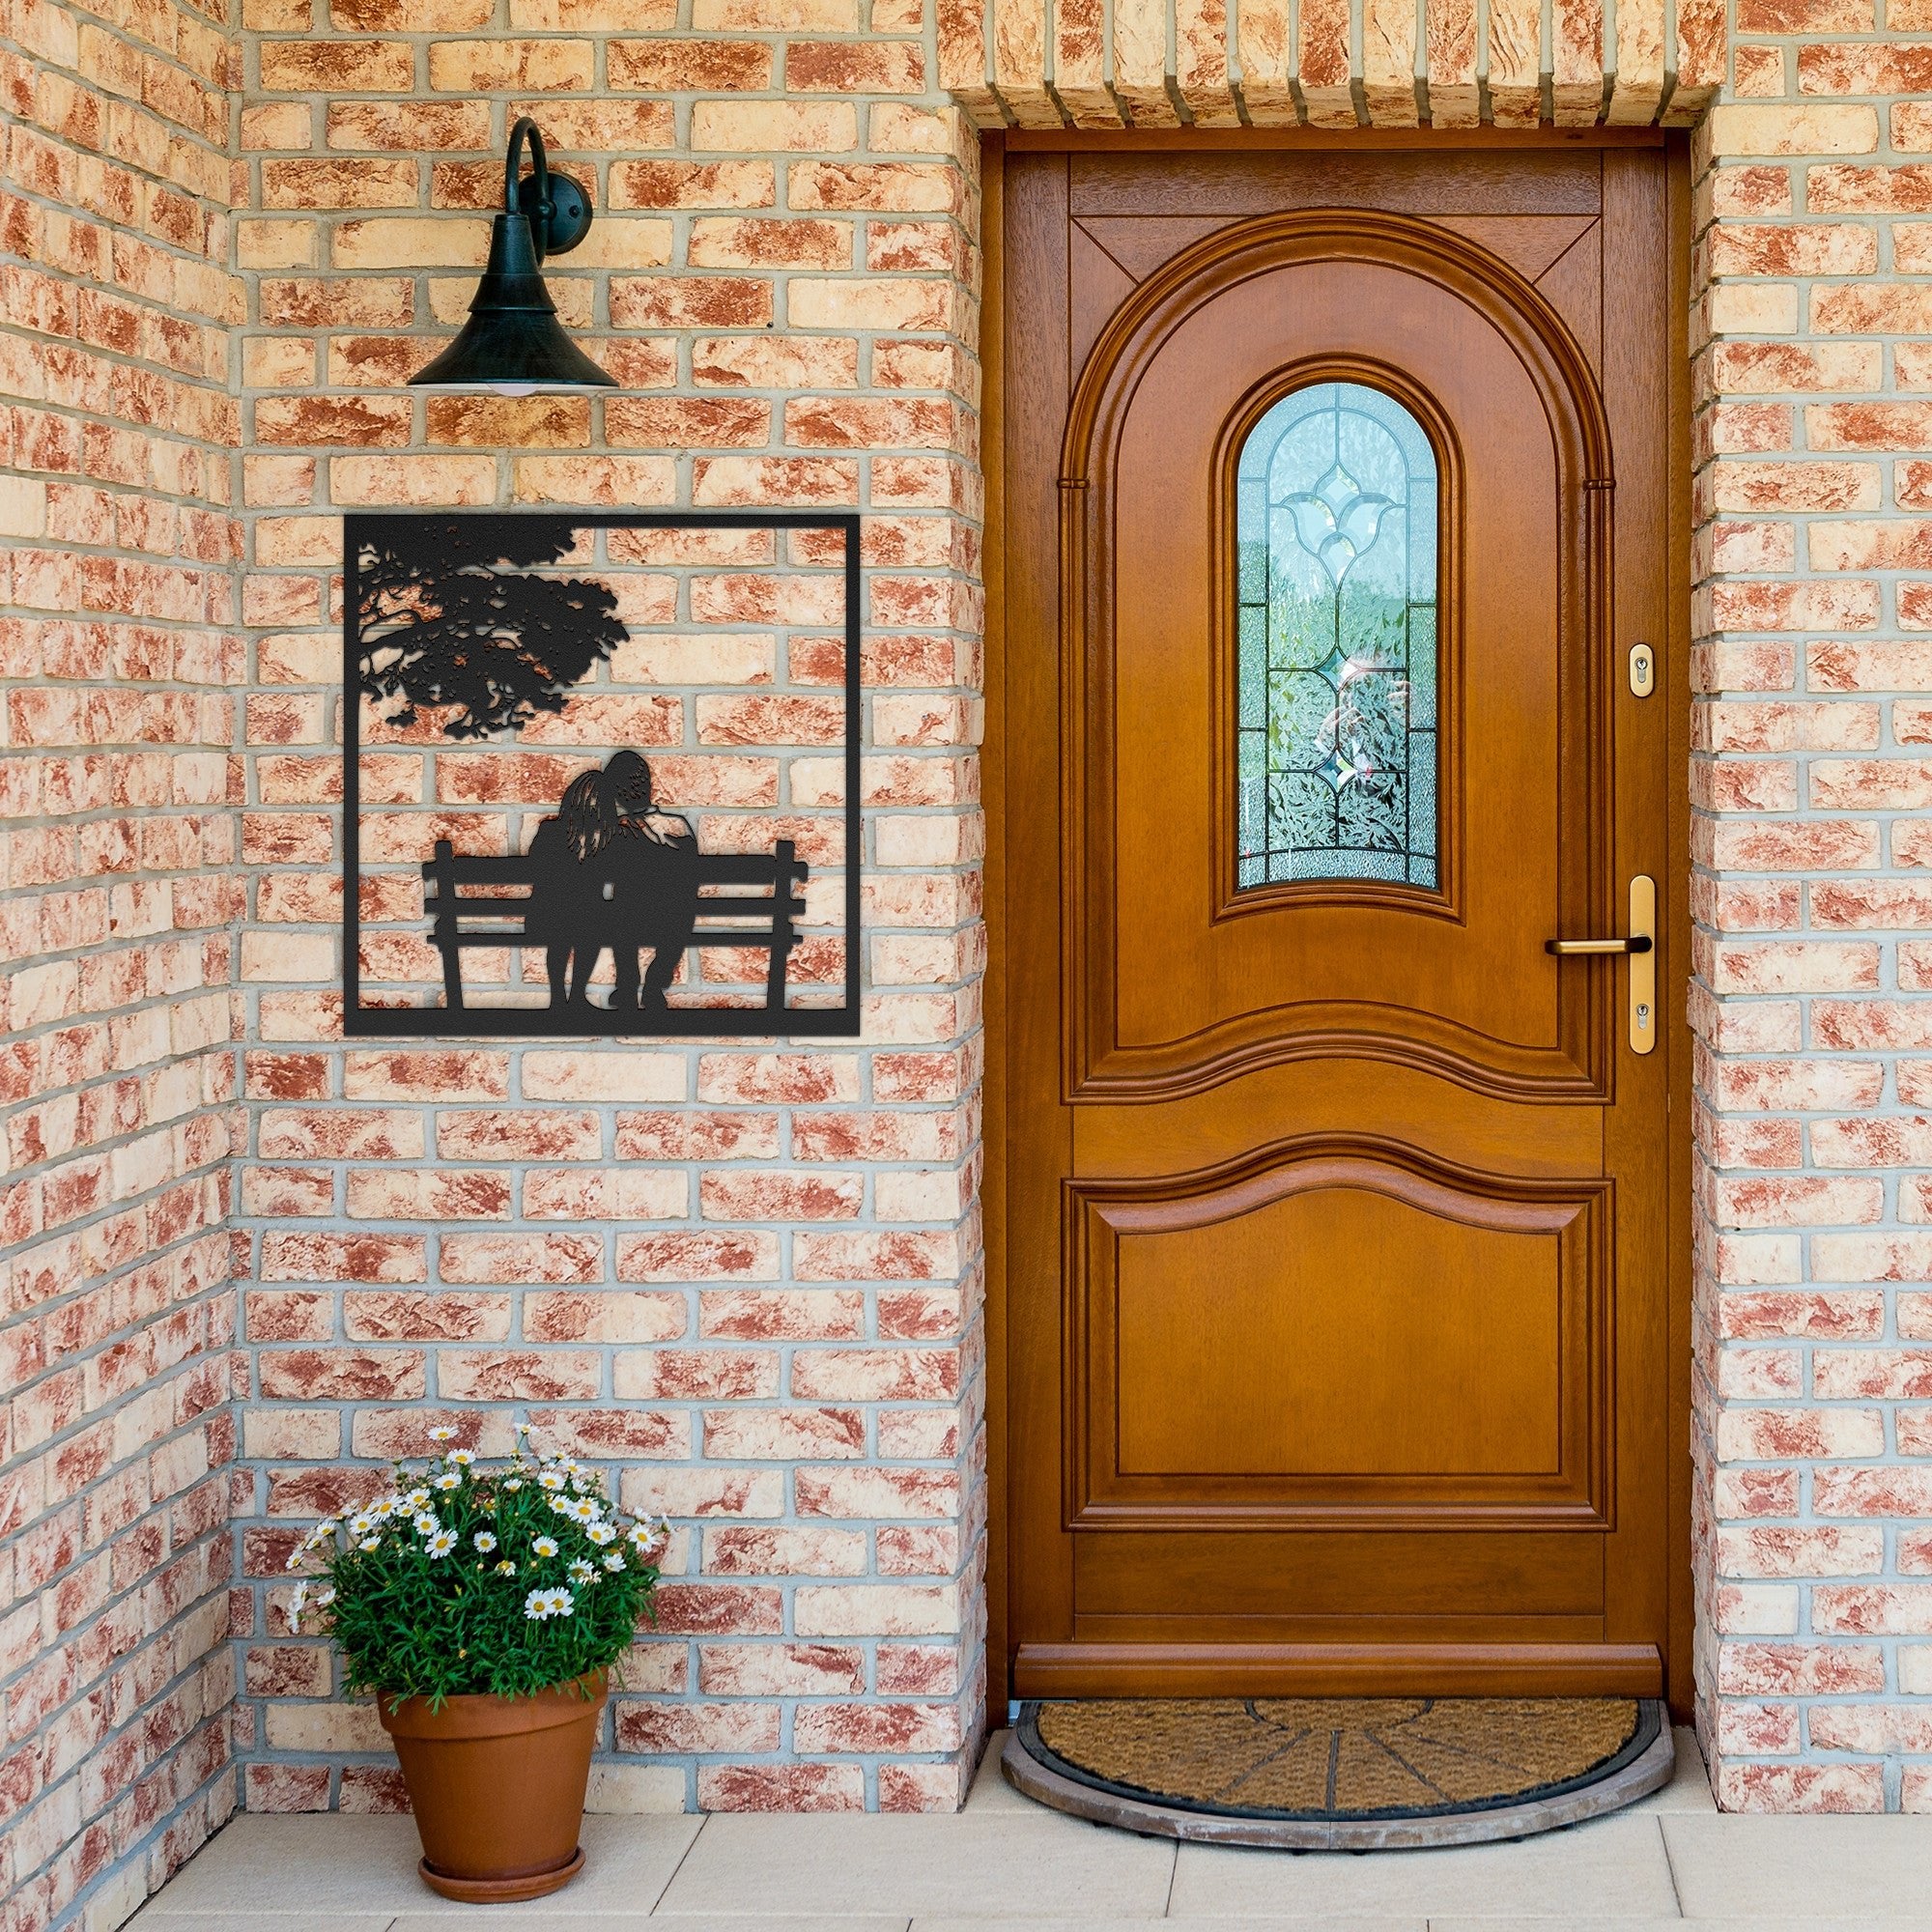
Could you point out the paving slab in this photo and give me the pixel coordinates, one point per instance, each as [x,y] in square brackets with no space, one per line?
[993,1865]
[1813,1869]
[1612,1868]
[1325,1922]
[272,1867]
[1569,1923]
[254,1921]
[990,1790]
[289,1866]
[558,1915]
[1689,1786]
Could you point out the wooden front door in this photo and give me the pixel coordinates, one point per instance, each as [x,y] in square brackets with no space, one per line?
[1339,1231]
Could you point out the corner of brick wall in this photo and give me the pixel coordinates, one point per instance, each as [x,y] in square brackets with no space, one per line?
[784,1266]
[1811,780]
[745,1282]
[120,669]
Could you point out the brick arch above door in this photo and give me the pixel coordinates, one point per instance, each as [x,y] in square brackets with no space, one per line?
[1330,64]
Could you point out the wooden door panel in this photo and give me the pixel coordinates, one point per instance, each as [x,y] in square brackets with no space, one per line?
[1188,983]
[1574,285]
[1098,283]
[1552,1656]
[1319,1575]
[1336,1335]
[1242,1350]
[1530,243]
[1336,1252]
[1560,253]
[1485,1131]
[1474,957]
[1514,182]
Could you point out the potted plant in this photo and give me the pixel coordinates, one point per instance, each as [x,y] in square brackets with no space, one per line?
[484,1608]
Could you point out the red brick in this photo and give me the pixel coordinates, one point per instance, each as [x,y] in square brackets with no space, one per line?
[685,1728]
[781,1787]
[342,1374]
[521,1258]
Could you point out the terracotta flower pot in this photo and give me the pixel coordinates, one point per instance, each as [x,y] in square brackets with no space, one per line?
[497,1786]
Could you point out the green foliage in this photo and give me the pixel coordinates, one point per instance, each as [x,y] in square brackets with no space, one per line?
[508,1580]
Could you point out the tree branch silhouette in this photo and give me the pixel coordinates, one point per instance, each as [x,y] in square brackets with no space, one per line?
[441,621]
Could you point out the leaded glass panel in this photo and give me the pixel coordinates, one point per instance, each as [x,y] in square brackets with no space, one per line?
[1336,637]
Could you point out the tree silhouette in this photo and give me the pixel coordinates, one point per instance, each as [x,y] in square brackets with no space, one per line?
[445,616]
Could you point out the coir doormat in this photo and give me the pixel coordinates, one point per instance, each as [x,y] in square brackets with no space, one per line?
[1341,1772]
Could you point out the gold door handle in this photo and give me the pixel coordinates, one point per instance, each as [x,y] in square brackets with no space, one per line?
[1571,949]
[1641,946]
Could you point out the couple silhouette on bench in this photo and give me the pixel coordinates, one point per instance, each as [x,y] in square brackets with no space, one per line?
[610,871]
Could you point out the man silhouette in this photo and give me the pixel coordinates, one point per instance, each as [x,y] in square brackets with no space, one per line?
[650,882]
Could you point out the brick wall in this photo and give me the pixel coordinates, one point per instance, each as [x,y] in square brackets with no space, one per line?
[1811,783]
[1333,64]
[745,1278]
[116,903]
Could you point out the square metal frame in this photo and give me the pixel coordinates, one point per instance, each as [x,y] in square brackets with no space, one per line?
[363,1022]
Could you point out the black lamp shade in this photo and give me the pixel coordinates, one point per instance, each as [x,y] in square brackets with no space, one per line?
[512,342]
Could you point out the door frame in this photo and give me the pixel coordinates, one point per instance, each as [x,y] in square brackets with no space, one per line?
[1675,690]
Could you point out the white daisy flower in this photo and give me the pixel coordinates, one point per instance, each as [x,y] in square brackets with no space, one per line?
[450,1479]
[387,1507]
[485,1541]
[550,1480]
[614,1561]
[441,1543]
[506,1567]
[325,1597]
[542,1604]
[584,1510]
[581,1573]
[645,1537]
[361,1524]
[513,1483]
[442,1434]
[461,1458]
[415,1498]
[426,1523]
[544,1546]
[370,1543]
[601,1533]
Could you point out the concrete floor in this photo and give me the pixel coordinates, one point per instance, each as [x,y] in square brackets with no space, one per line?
[1666,1861]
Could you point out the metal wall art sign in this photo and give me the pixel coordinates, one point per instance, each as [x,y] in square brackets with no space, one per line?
[600,774]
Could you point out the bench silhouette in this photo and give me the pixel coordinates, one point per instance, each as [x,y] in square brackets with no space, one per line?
[767,919]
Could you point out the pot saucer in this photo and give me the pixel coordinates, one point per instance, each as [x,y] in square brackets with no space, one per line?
[505,1891]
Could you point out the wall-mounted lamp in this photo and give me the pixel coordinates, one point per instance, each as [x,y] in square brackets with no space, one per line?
[512,342]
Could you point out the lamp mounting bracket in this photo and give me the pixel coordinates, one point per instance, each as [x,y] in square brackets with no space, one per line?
[557,207]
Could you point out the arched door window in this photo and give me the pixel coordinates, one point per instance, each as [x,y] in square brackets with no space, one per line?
[1337,681]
